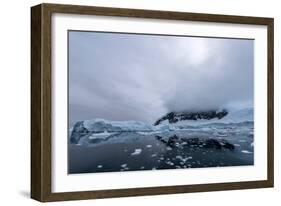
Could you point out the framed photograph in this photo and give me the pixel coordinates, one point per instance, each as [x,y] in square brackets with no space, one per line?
[130,102]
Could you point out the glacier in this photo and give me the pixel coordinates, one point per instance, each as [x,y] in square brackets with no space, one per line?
[101,129]
[85,132]
[98,125]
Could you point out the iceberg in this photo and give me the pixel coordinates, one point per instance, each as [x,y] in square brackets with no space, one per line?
[102,125]
[102,130]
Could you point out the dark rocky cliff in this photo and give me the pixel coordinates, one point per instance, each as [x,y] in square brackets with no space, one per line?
[174,117]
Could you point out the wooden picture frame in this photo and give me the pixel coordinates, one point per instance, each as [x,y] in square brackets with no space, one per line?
[41,101]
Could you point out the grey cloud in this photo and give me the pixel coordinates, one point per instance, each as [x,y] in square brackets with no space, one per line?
[141,77]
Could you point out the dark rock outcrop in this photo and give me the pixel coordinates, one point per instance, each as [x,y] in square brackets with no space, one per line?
[174,117]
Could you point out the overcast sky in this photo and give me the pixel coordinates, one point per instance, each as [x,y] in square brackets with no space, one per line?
[142,77]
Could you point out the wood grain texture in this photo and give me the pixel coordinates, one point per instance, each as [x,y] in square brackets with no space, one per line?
[270,102]
[170,15]
[41,176]
[36,58]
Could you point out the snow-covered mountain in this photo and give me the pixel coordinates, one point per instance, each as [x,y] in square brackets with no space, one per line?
[239,115]
[199,118]
[102,129]
[174,117]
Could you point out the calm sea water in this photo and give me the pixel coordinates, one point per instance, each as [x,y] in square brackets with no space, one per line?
[177,149]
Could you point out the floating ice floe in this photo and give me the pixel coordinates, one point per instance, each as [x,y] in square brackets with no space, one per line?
[183,159]
[124,165]
[169,163]
[246,152]
[136,152]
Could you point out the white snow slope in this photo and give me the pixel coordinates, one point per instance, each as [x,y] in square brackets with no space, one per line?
[102,125]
